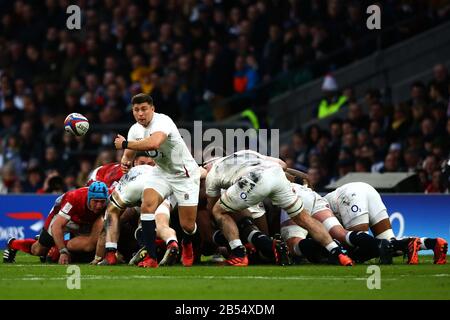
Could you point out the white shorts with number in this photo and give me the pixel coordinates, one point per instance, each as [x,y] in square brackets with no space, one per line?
[184,187]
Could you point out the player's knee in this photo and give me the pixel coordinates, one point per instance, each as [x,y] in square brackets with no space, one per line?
[303,219]
[188,227]
[90,247]
[218,212]
[148,207]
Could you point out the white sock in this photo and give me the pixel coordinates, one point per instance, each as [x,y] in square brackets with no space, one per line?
[235,243]
[170,239]
[249,239]
[331,246]
[422,244]
[111,245]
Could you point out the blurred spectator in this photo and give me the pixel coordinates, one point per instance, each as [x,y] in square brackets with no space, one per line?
[436,184]
[9,176]
[411,159]
[245,77]
[430,164]
[85,170]
[390,164]
[332,101]
[315,179]
[418,94]
[52,161]
[440,80]
[53,183]
[70,181]
[33,180]
[362,165]
[357,117]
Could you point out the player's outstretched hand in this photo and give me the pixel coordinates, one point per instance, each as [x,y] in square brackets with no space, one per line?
[125,166]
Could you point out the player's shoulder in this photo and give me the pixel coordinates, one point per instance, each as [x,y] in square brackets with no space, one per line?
[161,117]
[74,199]
[137,127]
[76,193]
[110,166]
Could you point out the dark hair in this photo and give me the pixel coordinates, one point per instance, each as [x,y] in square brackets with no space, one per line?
[55,183]
[141,154]
[142,98]
[418,84]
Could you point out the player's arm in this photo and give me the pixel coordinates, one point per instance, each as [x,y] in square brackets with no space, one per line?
[152,142]
[212,191]
[100,248]
[211,202]
[297,176]
[127,160]
[112,223]
[99,236]
[58,227]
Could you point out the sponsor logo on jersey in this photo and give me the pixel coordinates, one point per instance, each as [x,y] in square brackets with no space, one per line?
[66,207]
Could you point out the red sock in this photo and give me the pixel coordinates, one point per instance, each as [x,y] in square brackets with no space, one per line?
[22,245]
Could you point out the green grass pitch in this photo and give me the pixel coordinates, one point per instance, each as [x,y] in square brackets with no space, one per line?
[29,279]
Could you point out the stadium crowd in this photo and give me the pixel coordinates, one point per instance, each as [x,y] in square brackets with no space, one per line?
[411,136]
[188,53]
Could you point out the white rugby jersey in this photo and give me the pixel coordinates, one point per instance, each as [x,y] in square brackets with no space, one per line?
[173,156]
[227,170]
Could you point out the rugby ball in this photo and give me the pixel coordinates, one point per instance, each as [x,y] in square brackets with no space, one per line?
[76,124]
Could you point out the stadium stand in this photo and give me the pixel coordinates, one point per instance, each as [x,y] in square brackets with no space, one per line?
[207,60]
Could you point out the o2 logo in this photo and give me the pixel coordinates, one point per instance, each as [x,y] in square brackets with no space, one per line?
[398,216]
[154,154]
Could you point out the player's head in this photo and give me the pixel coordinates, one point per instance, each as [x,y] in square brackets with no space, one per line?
[142,158]
[143,108]
[97,196]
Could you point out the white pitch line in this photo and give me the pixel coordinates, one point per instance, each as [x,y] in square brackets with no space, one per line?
[290,278]
[99,277]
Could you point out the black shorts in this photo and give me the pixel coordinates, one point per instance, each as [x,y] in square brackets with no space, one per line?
[45,239]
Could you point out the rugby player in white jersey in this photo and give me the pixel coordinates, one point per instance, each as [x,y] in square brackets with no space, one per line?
[128,194]
[176,172]
[249,178]
[362,246]
[360,207]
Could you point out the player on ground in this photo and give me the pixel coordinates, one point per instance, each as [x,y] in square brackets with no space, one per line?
[249,178]
[176,172]
[79,212]
[127,194]
[359,206]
